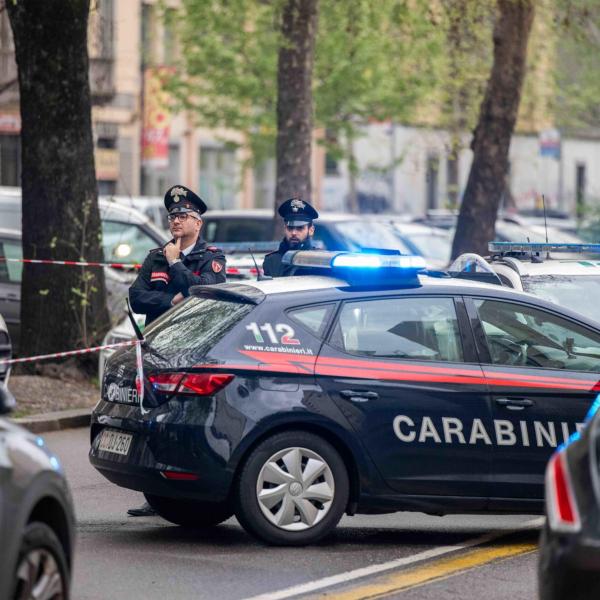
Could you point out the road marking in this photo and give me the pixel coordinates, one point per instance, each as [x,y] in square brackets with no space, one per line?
[433,572]
[326,582]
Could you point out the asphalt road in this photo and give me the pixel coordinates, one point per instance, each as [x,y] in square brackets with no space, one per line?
[404,555]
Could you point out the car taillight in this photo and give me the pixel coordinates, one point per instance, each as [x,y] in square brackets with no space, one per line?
[561,505]
[189,384]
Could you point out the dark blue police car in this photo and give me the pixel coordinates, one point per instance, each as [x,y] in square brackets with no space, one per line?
[370,389]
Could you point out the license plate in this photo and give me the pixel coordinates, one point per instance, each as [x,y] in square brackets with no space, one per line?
[115,442]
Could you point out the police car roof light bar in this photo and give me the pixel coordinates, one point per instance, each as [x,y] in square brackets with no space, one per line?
[532,247]
[358,268]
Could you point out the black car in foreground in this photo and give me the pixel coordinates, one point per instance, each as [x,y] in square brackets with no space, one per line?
[37,522]
[372,389]
[569,561]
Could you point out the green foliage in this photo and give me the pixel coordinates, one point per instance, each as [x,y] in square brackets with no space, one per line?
[577,30]
[373,60]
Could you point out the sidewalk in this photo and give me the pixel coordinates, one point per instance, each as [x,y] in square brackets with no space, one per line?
[55,421]
[52,404]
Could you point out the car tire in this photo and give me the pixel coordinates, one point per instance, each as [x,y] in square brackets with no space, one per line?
[42,563]
[189,513]
[280,500]
[559,581]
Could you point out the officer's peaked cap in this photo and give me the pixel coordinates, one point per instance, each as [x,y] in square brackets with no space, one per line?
[296,212]
[180,199]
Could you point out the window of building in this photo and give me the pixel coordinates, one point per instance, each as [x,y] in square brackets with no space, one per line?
[432,180]
[218,177]
[10,160]
[405,328]
[580,191]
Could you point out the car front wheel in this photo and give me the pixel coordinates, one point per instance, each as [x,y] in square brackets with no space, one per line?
[189,513]
[292,490]
[42,570]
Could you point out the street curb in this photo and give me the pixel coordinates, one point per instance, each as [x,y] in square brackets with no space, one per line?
[56,421]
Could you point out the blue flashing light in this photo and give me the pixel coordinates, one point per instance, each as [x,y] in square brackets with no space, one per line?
[572,438]
[593,409]
[55,463]
[378,261]
[40,441]
[542,247]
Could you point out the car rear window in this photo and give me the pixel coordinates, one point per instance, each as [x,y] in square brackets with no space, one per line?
[195,327]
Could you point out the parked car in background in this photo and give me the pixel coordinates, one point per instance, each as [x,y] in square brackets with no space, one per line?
[569,555]
[552,274]
[7,400]
[37,521]
[127,237]
[152,207]
[333,231]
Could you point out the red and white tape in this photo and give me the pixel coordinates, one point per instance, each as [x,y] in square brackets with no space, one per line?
[71,263]
[12,361]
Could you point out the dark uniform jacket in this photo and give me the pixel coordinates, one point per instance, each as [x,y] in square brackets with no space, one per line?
[272,262]
[157,283]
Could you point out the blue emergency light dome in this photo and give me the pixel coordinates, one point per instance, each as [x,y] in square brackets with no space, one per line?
[369,268]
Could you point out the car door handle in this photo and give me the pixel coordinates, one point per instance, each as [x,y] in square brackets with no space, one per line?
[514,403]
[359,395]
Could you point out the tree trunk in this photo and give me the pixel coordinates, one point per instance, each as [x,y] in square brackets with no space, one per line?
[61,307]
[294,102]
[497,118]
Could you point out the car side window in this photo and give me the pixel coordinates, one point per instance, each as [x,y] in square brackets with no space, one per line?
[521,335]
[406,328]
[11,272]
[314,318]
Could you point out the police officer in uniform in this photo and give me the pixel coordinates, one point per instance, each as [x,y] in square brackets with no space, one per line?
[168,273]
[298,216]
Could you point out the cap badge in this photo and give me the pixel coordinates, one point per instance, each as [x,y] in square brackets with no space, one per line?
[176,192]
[296,204]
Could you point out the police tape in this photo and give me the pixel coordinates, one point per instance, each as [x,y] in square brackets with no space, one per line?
[39,357]
[82,263]
[71,263]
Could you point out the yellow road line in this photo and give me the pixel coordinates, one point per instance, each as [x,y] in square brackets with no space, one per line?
[431,572]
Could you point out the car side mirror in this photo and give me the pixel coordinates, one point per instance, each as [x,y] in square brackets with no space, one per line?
[7,400]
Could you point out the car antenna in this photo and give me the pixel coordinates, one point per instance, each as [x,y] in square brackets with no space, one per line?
[259,275]
[138,334]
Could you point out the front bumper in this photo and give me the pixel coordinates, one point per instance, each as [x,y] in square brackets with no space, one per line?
[180,435]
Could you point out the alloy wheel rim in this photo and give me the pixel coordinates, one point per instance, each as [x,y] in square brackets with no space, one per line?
[295,489]
[39,577]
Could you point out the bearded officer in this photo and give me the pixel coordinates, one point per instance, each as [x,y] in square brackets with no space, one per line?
[168,273]
[298,216]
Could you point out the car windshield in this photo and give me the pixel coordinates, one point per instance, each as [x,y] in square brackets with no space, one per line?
[125,242]
[571,291]
[431,245]
[192,329]
[368,234]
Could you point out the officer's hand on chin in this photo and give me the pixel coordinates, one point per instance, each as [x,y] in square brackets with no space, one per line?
[172,250]
[177,298]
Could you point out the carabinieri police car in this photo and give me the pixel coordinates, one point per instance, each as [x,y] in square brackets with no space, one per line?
[365,386]
[566,274]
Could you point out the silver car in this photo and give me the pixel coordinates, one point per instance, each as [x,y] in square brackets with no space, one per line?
[127,236]
[37,522]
